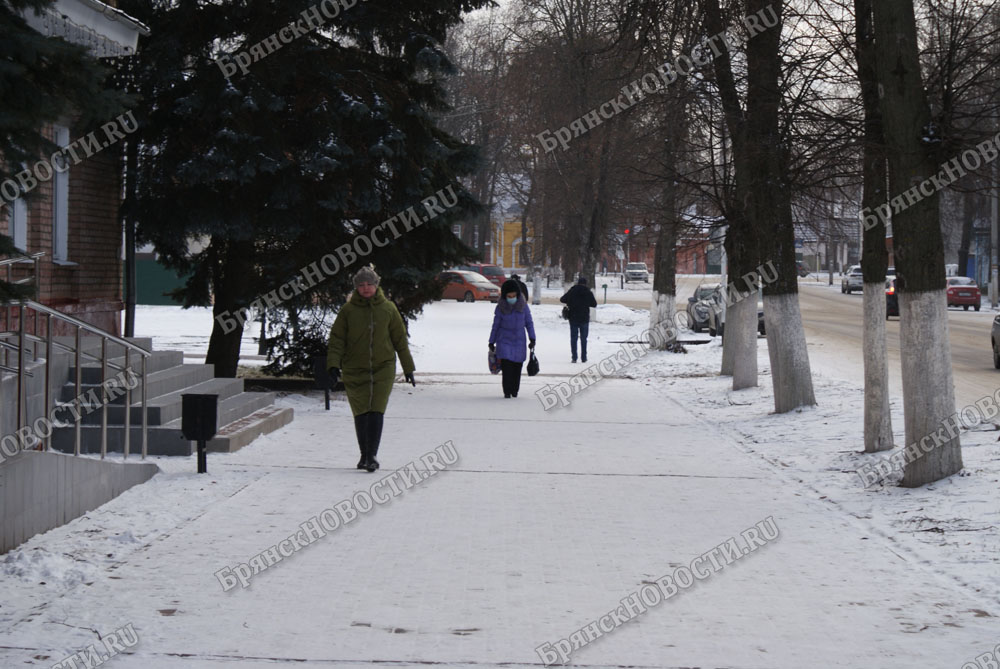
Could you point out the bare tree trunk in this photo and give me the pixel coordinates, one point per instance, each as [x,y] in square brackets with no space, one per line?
[928,391]
[874,254]
[739,350]
[662,309]
[829,261]
[771,216]
[229,271]
[664,298]
[739,345]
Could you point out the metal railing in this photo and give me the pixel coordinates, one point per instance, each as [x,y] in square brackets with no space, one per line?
[24,338]
[23,260]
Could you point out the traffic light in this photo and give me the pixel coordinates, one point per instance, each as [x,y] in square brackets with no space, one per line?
[626,231]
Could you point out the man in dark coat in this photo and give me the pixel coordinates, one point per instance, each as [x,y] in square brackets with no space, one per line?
[523,287]
[579,299]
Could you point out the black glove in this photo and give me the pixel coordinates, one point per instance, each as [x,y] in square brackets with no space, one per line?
[531,343]
[493,347]
[334,376]
[409,377]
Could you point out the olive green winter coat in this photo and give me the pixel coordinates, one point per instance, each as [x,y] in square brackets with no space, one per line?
[364,341]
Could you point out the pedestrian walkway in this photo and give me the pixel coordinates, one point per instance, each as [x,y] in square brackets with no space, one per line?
[546,522]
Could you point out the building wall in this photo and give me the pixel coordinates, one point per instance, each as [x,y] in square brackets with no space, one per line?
[88,284]
[507,244]
[692,256]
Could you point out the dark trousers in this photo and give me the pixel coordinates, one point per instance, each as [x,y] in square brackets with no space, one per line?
[511,373]
[582,329]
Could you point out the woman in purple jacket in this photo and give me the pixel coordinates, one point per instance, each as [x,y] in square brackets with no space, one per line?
[510,319]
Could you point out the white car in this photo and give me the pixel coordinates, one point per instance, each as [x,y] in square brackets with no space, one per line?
[636,271]
[852,280]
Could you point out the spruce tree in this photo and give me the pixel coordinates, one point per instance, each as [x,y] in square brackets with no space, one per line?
[296,153]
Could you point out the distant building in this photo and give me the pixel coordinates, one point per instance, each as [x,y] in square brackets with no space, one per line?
[508,242]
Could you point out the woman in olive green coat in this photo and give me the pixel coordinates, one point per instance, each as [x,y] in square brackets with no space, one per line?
[364,341]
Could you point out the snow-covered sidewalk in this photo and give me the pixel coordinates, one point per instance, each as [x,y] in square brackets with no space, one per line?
[547,521]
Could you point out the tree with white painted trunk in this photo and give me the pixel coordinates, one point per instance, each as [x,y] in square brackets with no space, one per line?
[664,298]
[770,207]
[739,350]
[761,158]
[662,308]
[928,390]
[874,253]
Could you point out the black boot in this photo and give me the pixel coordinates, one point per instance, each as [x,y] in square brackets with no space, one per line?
[374,431]
[361,428]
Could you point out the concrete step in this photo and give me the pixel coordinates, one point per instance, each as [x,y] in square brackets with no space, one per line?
[90,371]
[241,432]
[158,383]
[161,440]
[165,408]
[167,439]
[234,408]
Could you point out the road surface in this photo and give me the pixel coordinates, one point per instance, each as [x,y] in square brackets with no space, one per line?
[833,321]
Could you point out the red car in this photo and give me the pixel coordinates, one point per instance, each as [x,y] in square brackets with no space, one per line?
[963,292]
[467,287]
[493,273]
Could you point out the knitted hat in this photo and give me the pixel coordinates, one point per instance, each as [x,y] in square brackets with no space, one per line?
[582,281]
[366,275]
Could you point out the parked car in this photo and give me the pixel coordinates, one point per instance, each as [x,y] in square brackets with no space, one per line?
[493,273]
[636,271]
[717,318]
[698,309]
[852,280]
[801,269]
[467,286]
[995,339]
[891,299]
[963,292]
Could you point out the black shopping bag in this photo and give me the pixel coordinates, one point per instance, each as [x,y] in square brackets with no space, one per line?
[532,364]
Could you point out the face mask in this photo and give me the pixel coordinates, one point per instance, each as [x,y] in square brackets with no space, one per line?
[511,300]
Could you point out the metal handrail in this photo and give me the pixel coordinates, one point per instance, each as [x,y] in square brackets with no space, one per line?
[23,338]
[87,327]
[26,259]
[65,347]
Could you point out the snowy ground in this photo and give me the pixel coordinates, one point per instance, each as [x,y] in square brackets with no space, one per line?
[544,524]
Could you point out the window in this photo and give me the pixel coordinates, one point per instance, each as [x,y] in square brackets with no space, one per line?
[19,223]
[60,203]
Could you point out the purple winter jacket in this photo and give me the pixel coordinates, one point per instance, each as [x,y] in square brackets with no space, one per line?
[509,323]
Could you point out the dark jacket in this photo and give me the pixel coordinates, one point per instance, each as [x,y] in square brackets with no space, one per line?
[509,324]
[524,289]
[364,341]
[579,299]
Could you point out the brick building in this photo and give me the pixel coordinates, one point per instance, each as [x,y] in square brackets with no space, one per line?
[72,216]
